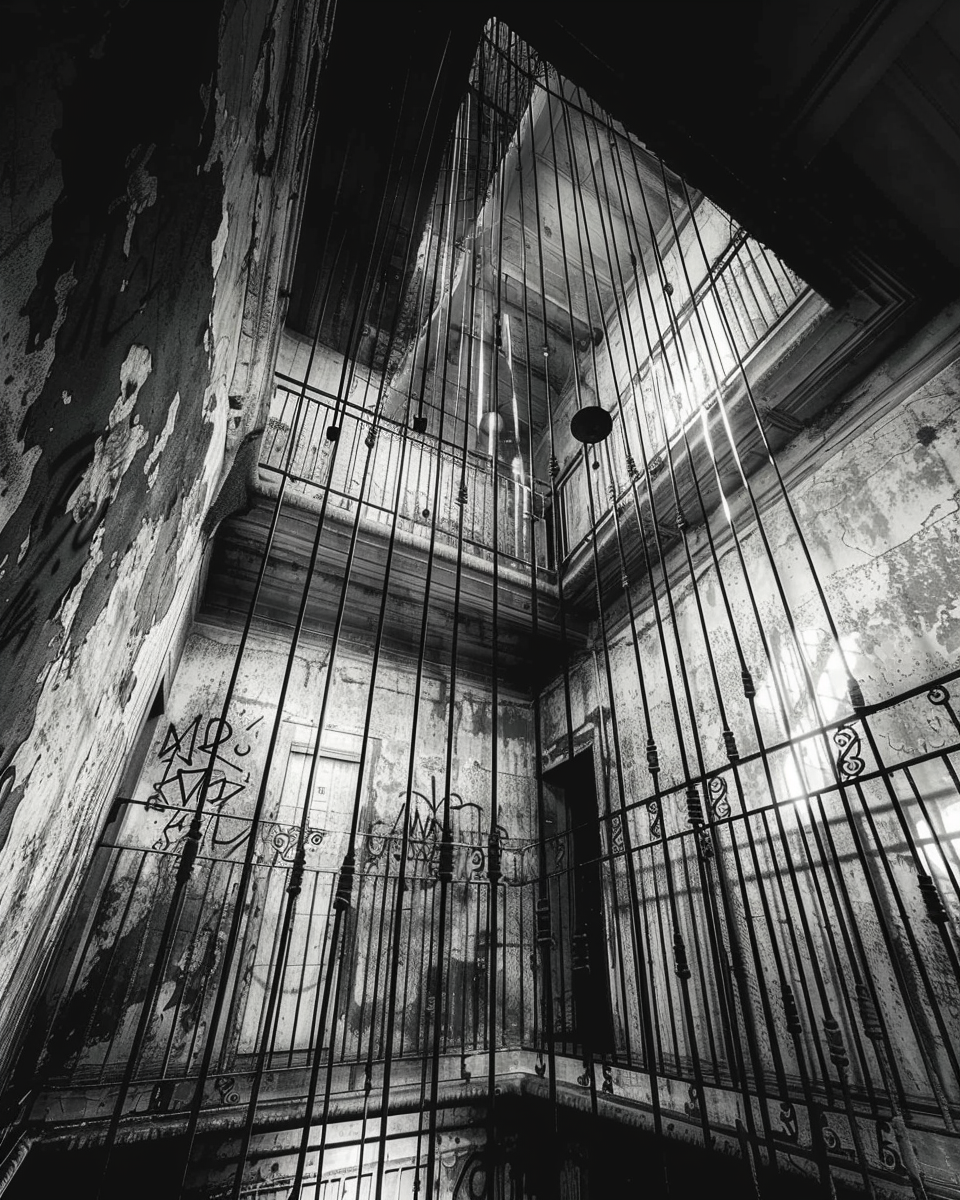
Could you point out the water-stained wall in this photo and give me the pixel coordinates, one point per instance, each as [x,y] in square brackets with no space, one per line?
[791,841]
[149,163]
[270,763]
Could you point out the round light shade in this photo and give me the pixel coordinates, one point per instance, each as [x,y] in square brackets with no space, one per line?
[591,424]
[490,423]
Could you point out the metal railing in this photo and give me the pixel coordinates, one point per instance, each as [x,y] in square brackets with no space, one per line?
[118,939]
[376,462]
[675,381]
[798,948]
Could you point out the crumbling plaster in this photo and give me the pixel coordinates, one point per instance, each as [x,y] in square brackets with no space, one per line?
[876,501]
[873,489]
[146,193]
[247,773]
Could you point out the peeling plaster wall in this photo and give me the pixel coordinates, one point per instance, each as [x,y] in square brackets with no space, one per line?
[878,508]
[112,979]
[879,516]
[147,173]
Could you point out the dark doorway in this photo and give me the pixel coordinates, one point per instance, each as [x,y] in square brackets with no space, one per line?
[582,1013]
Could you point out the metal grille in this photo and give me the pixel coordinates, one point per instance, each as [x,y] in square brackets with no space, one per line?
[745,939]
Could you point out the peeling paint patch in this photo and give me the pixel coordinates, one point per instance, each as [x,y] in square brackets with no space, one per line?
[141,191]
[220,243]
[152,465]
[116,451]
[71,601]
[72,748]
[10,797]
[30,365]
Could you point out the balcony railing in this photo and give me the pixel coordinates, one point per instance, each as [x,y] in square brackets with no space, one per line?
[835,900]
[754,292]
[384,466]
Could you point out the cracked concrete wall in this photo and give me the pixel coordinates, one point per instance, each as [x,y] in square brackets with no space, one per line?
[148,169]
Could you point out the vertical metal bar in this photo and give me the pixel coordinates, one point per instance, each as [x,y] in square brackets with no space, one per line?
[445,209]
[738,957]
[714,947]
[463,498]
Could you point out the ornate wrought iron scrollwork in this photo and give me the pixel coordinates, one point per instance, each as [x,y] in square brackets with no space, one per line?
[616,834]
[719,801]
[889,1151]
[226,1089]
[849,762]
[831,1139]
[938,694]
[653,811]
[285,839]
[789,1125]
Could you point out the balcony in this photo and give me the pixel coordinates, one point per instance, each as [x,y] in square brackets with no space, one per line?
[356,457]
[757,304]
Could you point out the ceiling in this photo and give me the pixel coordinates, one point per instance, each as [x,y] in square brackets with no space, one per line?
[501,288]
[828,129]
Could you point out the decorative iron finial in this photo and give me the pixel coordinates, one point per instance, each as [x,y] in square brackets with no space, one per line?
[344,897]
[653,757]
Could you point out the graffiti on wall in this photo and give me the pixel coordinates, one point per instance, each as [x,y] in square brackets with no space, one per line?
[425,835]
[185,754]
